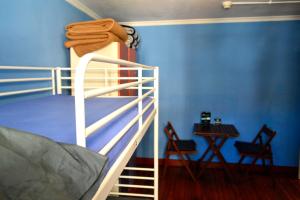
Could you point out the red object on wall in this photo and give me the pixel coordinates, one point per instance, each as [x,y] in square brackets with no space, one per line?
[126,53]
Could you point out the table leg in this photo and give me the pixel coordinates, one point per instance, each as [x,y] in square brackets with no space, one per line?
[217,152]
[215,148]
[204,154]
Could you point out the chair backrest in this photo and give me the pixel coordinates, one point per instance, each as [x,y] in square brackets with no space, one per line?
[170,132]
[264,137]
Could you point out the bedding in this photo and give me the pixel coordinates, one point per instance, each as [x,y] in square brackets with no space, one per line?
[54,117]
[90,36]
[91,43]
[35,167]
[97,27]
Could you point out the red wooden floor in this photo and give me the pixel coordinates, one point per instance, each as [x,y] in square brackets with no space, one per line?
[214,184]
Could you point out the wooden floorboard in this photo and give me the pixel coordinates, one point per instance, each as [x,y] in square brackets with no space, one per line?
[214,184]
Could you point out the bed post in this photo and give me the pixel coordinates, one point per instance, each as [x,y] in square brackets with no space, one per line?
[156,130]
[53,81]
[80,99]
[140,94]
[58,80]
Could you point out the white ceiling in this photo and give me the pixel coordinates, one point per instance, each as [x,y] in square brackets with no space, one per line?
[153,10]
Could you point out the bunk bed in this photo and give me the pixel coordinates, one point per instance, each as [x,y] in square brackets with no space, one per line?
[111,126]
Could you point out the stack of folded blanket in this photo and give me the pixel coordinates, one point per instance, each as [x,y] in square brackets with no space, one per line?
[133,37]
[90,36]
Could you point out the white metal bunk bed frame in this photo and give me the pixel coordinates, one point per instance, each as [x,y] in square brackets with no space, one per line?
[82,131]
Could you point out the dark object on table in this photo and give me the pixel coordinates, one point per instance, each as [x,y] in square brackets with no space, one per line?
[218,121]
[259,148]
[216,136]
[182,148]
[205,118]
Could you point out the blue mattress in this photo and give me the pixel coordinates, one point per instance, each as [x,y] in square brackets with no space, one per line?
[54,117]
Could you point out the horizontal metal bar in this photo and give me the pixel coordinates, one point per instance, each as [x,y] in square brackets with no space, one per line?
[144,88]
[100,58]
[139,169]
[106,68]
[118,97]
[24,80]
[86,87]
[98,124]
[115,139]
[95,87]
[132,194]
[66,87]
[137,177]
[135,186]
[106,78]
[25,68]
[25,91]
[99,92]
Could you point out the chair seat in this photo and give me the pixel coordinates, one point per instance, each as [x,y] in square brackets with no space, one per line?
[184,145]
[248,148]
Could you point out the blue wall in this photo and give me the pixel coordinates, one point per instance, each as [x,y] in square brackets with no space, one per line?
[32,34]
[246,73]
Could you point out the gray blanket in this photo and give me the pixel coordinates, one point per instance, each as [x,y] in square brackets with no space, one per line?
[34,167]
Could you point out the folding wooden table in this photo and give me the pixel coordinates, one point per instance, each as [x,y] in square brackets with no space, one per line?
[216,136]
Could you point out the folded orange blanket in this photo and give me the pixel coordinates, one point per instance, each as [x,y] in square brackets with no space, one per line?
[97,27]
[83,46]
[71,36]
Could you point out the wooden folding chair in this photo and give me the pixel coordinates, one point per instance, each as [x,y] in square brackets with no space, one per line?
[182,148]
[259,148]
